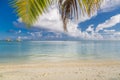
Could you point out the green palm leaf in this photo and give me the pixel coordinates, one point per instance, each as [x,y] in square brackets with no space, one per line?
[29,10]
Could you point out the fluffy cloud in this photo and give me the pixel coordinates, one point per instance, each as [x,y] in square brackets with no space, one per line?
[109,31]
[51,21]
[90,28]
[111,36]
[109,23]
[90,33]
[109,5]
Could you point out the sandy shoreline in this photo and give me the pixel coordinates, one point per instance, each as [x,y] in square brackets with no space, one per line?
[69,70]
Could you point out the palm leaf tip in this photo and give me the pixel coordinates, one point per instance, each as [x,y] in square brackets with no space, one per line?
[29,10]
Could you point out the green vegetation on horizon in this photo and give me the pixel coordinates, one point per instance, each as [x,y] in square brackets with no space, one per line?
[29,10]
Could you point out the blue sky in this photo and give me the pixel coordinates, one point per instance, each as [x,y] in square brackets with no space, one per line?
[104,24]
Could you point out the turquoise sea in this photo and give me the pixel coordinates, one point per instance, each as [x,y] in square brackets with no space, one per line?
[35,51]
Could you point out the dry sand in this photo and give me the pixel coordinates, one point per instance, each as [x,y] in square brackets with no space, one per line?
[69,70]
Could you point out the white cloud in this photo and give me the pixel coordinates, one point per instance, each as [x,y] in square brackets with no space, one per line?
[109,23]
[90,28]
[111,36]
[109,31]
[90,33]
[109,5]
[51,20]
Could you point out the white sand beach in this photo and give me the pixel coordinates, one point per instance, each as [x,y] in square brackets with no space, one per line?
[69,70]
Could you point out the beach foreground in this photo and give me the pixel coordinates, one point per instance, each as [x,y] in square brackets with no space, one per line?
[69,70]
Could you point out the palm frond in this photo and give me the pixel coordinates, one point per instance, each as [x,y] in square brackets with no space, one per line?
[89,6]
[70,9]
[29,10]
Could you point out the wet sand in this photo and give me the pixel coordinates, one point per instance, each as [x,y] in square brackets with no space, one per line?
[67,70]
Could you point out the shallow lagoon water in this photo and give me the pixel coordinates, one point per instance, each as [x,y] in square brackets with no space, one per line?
[35,51]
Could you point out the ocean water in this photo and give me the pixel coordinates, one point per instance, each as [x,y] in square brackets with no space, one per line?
[35,51]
